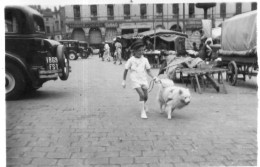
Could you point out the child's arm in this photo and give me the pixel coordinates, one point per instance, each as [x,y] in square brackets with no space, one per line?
[124,78]
[151,75]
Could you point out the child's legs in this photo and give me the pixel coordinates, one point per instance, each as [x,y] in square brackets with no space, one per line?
[143,94]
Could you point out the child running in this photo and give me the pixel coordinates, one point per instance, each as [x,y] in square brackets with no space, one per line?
[138,65]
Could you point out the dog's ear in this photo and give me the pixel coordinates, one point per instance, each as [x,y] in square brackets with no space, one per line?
[180,92]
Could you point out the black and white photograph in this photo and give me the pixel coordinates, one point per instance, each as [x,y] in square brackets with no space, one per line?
[129,83]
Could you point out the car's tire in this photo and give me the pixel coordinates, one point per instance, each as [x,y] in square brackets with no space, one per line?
[14,82]
[72,56]
[63,62]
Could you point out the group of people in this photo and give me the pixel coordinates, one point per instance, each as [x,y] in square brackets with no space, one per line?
[112,52]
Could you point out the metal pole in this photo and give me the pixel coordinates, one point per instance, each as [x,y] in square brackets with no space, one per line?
[184,26]
[178,18]
[167,17]
[154,30]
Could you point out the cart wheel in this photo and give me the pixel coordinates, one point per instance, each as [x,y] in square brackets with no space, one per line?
[232,73]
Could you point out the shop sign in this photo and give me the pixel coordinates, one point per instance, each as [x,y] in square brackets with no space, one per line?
[85,25]
[111,25]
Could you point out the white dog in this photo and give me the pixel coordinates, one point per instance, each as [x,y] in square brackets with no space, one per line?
[171,97]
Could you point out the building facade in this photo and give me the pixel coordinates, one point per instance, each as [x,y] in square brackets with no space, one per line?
[103,22]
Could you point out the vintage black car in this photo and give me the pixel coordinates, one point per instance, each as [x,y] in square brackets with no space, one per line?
[83,47]
[30,58]
[72,48]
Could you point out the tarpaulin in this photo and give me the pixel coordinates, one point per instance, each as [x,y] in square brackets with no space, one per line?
[239,32]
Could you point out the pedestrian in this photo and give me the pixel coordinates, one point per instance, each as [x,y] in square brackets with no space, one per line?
[107,52]
[101,51]
[148,44]
[205,51]
[112,50]
[195,46]
[138,66]
[118,54]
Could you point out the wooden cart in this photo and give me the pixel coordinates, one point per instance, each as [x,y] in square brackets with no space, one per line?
[238,47]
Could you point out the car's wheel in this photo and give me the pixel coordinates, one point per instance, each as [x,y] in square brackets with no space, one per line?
[72,56]
[14,82]
[63,63]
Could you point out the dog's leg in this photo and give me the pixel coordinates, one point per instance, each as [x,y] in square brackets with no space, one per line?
[168,109]
[172,109]
[163,108]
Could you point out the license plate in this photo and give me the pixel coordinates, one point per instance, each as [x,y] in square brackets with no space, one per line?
[52,63]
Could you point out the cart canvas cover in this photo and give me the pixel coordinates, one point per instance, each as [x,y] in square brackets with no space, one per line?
[239,32]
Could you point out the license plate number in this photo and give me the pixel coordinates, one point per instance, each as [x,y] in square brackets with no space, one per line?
[52,63]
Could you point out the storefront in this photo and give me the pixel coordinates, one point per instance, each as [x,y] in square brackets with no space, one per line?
[78,34]
[111,31]
[95,36]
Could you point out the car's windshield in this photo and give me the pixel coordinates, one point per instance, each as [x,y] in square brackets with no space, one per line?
[38,24]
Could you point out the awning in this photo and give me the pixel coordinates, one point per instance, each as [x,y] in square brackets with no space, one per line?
[170,38]
[161,32]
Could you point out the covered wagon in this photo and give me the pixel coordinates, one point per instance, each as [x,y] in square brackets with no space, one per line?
[238,49]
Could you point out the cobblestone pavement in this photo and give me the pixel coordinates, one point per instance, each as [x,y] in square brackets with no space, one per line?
[91,121]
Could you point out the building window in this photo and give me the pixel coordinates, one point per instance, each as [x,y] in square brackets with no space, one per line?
[76,9]
[110,12]
[238,8]
[223,10]
[253,6]
[143,11]
[127,11]
[175,8]
[48,29]
[191,10]
[159,8]
[93,12]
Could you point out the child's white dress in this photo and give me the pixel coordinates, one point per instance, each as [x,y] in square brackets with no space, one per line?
[137,68]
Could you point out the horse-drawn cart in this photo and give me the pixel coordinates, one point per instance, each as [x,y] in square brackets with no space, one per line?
[238,47]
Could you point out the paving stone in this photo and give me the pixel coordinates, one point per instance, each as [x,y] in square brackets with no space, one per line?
[44,149]
[186,165]
[96,161]
[34,154]
[142,160]
[127,153]
[134,165]
[44,161]
[106,154]
[18,161]
[121,160]
[73,162]
[58,155]
[171,159]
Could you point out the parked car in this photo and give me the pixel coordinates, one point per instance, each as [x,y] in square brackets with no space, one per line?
[72,48]
[30,58]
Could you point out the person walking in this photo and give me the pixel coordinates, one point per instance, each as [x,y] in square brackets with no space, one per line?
[139,66]
[107,52]
[118,54]
[101,51]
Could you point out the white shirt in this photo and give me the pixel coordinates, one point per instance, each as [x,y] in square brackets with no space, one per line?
[107,47]
[137,68]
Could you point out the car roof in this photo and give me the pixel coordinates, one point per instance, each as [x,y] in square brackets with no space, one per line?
[25,9]
[82,42]
[68,41]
